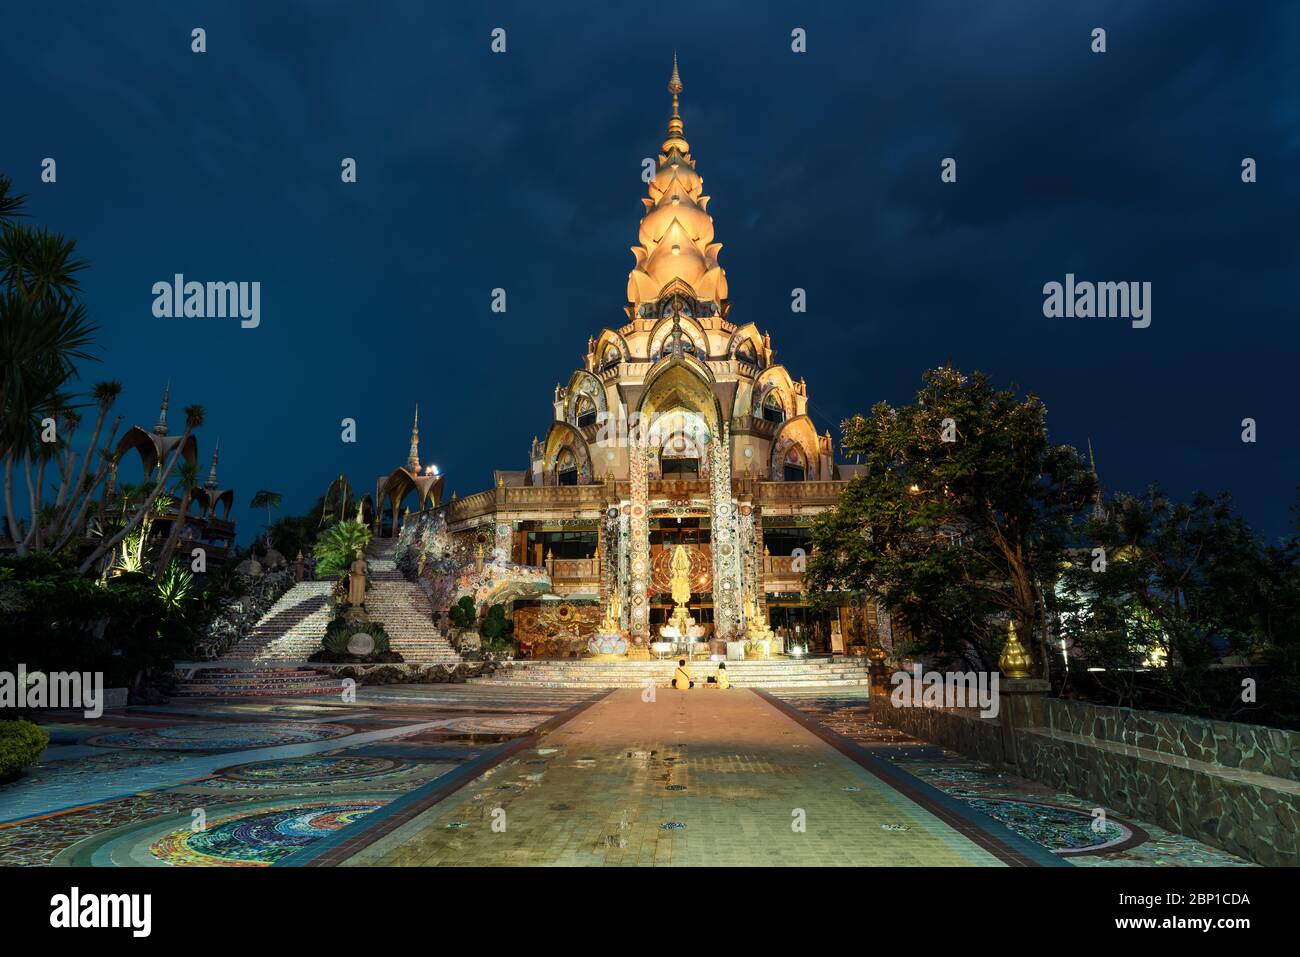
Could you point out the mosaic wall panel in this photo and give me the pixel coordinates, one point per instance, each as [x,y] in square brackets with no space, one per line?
[726,541]
[556,629]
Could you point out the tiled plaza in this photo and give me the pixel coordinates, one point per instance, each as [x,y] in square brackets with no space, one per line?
[488,776]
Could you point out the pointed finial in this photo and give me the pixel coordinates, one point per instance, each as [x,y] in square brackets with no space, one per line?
[413,456]
[675,139]
[160,427]
[212,472]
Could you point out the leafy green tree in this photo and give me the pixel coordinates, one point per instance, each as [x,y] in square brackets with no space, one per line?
[963,517]
[1170,588]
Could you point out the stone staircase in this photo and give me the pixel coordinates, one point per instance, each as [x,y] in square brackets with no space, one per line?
[255,683]
[291,630]
[404,610]
[594,673]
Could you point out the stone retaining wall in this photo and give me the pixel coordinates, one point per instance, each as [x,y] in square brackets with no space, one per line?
[1229,785]
[1224,743]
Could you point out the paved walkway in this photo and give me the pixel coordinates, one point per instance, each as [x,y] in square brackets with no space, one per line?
[702,778]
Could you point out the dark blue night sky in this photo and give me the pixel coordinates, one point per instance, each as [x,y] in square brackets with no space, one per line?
[522,171]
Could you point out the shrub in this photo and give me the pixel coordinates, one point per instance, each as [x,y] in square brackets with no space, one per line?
[463,614]
[21,743]
[497,630]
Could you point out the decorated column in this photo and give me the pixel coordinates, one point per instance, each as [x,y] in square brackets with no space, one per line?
[726,540]
[639,551]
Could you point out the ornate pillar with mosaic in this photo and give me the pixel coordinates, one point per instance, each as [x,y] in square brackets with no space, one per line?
[639,553]
[726,544]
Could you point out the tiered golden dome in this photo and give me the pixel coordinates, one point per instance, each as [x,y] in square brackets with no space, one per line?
[676,233]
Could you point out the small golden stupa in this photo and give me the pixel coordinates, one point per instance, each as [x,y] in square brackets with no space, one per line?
[1014,661]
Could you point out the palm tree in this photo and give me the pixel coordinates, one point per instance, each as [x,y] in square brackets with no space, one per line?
[75,494]
[43,331]
[187,479]
[194,415]
[268,501]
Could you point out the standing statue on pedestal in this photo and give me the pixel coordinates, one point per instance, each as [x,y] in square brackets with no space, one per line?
[357,589]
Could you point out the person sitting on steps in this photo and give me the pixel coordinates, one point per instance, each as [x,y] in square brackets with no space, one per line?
[682,679]
[722,678]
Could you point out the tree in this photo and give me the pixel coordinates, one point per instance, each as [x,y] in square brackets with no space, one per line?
[268,501]
[187,479]
[44,329]
[1170,588]
[962,519]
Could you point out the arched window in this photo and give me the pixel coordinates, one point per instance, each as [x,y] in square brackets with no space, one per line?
[610,358]
[745,352]
[773,411]
[796,469]
[586,411]
[566,469]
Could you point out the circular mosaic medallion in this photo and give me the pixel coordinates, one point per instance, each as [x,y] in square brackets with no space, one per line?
[638,510]
[219,737]
[496,723]
[1062,830]
[317,770]
[258,838]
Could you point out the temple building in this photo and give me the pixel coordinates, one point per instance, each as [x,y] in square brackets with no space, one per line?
[678,427]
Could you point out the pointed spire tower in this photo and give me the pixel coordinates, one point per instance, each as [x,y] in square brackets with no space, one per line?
[1098,505]
[676,234]
[413,456]
[211,483]
[160,427]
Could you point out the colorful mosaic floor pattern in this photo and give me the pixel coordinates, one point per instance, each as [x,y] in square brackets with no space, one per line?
[1061,823]
[218,737]
[228,760]
[260,838]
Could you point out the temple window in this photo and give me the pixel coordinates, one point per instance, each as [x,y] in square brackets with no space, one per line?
[681,468]
[586,410]
[610,359]
[784,540]
[795,469]
[566,469]
[773,411]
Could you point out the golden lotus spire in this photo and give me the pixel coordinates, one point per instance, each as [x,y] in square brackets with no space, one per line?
[676,234]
